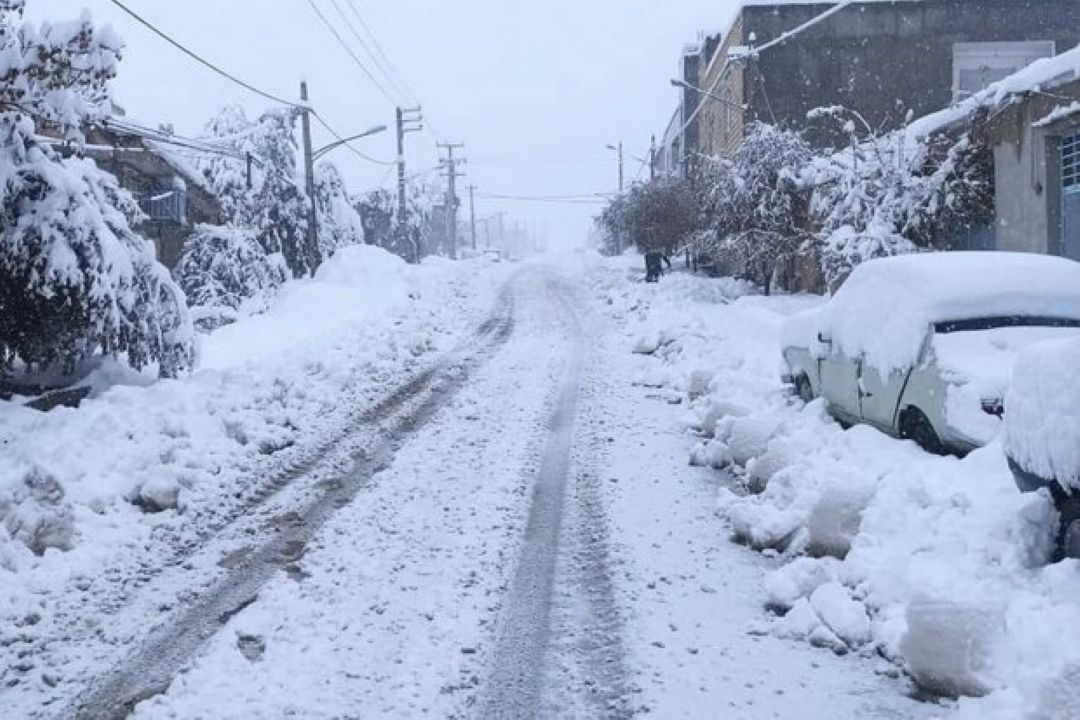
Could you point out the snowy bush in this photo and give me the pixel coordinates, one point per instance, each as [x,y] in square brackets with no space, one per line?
[75,279]
[377,213]
[224,266]
[339,222]
[755,204]
[890,194]
[275,206]
[660,215]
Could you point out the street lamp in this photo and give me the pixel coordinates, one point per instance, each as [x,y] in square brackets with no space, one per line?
[619,150]
[723,101]
[335,145]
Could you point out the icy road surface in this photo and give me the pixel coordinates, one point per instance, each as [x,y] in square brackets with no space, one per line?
[515,534]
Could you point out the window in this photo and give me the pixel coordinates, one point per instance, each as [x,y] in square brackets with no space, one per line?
[1070,163]
[978,65]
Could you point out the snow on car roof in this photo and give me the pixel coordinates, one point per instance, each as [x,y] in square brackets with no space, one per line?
[884,309]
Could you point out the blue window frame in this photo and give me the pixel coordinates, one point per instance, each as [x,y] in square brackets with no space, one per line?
[1070,163]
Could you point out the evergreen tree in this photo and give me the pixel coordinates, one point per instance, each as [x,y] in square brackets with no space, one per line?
[224,267]
[75,280]
[275,206]
[339,222]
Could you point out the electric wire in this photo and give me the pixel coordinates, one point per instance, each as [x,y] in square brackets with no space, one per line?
[348,49]
[201,61]
[382,53]
[247,86]
[366,47]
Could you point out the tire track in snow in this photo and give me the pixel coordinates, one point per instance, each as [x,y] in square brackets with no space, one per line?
[559,620]
[150,669]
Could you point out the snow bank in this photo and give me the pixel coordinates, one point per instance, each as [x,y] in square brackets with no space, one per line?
[359,285]
[887,305]
[1042,422]
[80,488]
[936,564]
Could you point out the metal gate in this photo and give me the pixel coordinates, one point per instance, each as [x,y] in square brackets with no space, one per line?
[1070,196]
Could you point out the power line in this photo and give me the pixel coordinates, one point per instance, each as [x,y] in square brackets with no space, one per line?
[555,199]
[365,46]
[247,86]
[201,61]
[391,71]
[346,144]
[359,63]
[382,53]
[783,37]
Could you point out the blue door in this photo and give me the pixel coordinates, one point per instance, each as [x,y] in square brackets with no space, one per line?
[1070,196]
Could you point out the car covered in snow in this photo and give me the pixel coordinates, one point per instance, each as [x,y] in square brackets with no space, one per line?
[922,346]
[1042,431]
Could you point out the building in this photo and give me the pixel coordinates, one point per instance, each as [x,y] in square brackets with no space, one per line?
[681,139]
[173,196]
[885,60]
[1036,144]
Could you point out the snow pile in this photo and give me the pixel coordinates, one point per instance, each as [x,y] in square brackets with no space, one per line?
[80,486]
[1042,423]
[884,310]
[935,564]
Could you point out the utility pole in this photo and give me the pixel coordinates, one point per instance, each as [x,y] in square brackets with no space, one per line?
[309,177]
[450,163]
[472,213]
[408,120]
[621,166]
[652,159]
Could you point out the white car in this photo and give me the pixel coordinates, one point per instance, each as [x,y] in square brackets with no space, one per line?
[922,346]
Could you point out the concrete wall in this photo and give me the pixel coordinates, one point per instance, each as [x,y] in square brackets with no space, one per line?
[885,58]
[1027,172]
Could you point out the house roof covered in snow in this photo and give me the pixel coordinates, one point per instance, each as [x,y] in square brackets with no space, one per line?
[1040,76]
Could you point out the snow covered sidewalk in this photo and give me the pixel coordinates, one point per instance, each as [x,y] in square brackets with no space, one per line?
[902,561]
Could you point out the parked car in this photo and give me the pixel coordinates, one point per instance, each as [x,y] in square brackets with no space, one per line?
[922,346]
[493,254]
[1042,431]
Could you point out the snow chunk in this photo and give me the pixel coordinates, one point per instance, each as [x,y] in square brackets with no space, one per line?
[948,644]
[844,616]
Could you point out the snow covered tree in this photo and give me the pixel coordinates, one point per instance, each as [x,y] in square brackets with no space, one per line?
[896,193]
[275,207]
[339,222]
[377,213]
[659,215]
[75,279]
[756,203]
[224,267]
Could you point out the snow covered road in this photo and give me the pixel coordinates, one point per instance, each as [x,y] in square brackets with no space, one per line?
[513,533]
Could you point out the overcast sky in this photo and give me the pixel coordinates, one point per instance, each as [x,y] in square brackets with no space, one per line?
[535,89]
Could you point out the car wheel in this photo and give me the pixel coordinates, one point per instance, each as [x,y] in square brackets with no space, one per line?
[914,425]
[804,389]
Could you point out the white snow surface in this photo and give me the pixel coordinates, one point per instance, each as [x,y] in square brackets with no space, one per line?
[1042,422]
[886,307]
[270,392]
[944,557]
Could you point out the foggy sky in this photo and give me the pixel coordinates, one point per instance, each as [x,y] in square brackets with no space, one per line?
[535,89]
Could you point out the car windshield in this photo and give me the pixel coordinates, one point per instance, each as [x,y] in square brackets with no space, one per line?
[984,350]
[1013,321]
